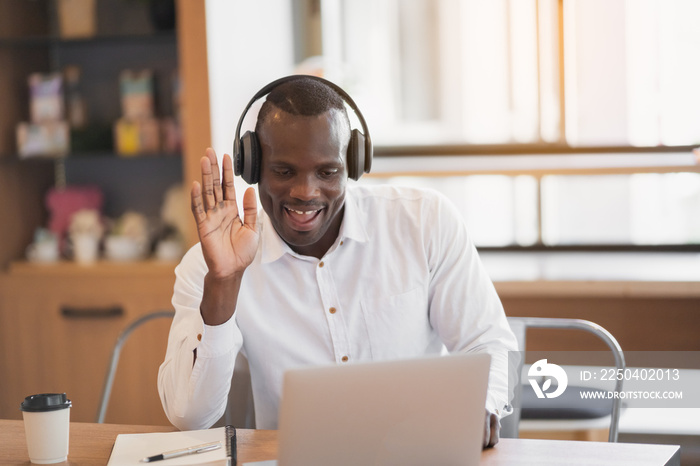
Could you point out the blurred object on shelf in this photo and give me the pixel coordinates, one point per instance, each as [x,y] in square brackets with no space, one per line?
[47,134]
[123,249]
[132,225]
[137,131]
[45,97]
[86,222]
[169,250]
[129,238]
[77,18]
[85,232]
[85,247]
[175,212]
[134,137]
[174,217]
[170,136]
[76,108]
[43,139]
[136,89]
[63,203]
[45,248]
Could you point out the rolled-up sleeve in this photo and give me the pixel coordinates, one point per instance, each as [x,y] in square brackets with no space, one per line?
[194,392]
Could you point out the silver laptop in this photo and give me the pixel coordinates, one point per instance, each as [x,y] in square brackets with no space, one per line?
[408,412]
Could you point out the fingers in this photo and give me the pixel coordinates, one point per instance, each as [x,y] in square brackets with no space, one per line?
[215,175]
[213,191]
[495,429]
[207,183]
[229,192]
[487,430]
[492,429]
[211,182]
[197,207]
[250,209]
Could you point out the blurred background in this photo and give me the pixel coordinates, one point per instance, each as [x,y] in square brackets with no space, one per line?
[564,131]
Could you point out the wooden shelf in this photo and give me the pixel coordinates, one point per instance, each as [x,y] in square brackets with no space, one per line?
[46,40]
[102,268]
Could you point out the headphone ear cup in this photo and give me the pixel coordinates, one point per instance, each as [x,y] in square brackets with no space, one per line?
[356,155]
[248,161]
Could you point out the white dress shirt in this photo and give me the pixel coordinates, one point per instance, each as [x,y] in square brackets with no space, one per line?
[402,280]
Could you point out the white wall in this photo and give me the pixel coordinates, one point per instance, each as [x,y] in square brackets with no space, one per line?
[250,43]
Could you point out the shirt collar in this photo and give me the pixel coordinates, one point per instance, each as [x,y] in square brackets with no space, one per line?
[272,247]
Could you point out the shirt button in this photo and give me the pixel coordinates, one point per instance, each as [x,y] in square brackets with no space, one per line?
[199,337]
[332,310]
[341,243]
[344,359]
[320,264]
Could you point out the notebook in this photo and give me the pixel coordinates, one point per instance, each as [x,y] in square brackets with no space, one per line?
[129,449]
[409,412]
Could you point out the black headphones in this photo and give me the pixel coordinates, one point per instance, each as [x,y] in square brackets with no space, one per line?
[247,153]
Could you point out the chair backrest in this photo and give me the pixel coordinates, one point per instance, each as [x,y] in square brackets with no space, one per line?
[240,411]
[520,325]
[116,352]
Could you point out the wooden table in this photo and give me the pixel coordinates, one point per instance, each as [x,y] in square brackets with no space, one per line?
[91,444]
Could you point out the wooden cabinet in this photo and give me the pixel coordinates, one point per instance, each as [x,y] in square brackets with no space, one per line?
[58,325]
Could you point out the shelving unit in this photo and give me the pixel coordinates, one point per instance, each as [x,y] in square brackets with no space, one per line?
[41,348]
[31,44]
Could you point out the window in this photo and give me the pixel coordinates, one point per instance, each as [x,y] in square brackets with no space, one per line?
[553,75]
[461,72]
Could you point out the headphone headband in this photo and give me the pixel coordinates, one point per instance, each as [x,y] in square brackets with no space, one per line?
[238,158]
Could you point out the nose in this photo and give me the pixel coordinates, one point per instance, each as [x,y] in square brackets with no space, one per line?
[305,188]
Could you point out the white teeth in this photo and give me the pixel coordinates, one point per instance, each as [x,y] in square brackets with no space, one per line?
[308,212]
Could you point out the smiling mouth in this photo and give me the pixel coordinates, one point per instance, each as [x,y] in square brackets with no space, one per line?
[302,219]
[303,212]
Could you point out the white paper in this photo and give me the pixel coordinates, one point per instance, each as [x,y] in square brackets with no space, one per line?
[129,449]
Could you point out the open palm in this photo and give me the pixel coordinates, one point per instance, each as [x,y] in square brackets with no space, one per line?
[229,241]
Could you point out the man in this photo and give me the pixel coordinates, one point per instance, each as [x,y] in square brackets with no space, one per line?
[328,273]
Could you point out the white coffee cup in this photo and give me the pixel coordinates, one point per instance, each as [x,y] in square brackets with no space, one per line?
[86,248]
[46,426]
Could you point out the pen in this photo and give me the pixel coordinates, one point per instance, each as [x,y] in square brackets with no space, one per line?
[183,451]
[234,447]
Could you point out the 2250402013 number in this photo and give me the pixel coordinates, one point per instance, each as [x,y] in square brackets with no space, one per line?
[640,374]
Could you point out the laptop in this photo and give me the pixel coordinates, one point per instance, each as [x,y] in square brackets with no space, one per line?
[407,412]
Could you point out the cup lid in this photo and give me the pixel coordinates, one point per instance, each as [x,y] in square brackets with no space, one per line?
[45,402]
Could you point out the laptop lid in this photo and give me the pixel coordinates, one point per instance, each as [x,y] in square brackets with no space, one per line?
[406,412]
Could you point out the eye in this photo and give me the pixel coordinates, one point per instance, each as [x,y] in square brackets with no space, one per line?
[282,171]
[329,172]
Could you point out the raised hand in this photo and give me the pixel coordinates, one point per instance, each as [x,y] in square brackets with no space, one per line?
[229,241]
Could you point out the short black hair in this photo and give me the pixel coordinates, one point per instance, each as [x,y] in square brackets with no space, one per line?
[303,96]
